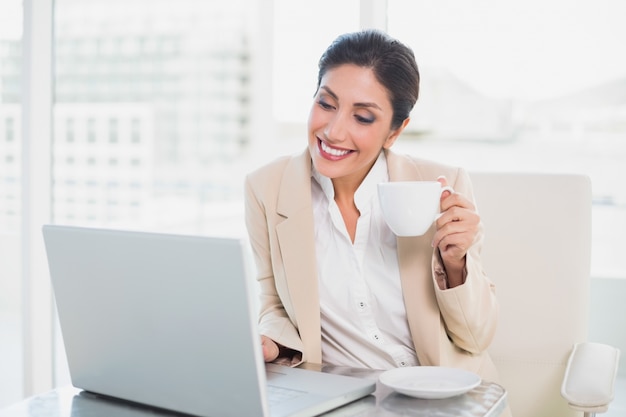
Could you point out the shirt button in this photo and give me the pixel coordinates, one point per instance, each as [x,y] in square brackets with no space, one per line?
[361,304]
[402,363]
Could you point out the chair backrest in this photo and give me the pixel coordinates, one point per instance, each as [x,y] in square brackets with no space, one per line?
[537,250]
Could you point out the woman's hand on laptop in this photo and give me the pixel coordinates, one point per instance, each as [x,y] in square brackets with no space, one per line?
[273,352]
[270,349]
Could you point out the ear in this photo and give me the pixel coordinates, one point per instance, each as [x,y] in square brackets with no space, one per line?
[394,134]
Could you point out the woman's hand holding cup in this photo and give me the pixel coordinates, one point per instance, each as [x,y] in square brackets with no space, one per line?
[457,228]
[410,207]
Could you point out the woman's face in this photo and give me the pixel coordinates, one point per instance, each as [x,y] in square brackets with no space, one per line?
[349,123]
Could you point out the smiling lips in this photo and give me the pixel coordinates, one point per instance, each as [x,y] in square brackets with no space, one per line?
[331,153]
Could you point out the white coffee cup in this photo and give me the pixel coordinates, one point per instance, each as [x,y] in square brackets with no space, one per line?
[410,207]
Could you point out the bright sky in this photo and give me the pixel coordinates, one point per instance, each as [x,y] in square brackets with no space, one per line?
[517,48]
[520,49]
[524,49]
[10,19]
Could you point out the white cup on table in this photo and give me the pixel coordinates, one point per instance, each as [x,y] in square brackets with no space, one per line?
[410,207]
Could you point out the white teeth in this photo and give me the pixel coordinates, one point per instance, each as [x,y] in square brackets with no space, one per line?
[332,151]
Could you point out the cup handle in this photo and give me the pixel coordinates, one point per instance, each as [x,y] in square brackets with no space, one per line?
[447,188]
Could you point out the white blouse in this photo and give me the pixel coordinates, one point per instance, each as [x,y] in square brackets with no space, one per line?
[363,316]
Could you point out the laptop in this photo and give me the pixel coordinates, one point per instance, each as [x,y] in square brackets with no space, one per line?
[169,321]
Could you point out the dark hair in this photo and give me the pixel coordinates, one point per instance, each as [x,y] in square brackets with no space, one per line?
[392,62]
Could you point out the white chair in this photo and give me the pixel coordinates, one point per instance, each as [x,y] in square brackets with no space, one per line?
[537,250]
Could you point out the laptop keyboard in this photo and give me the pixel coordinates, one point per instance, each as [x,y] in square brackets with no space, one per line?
[277,395]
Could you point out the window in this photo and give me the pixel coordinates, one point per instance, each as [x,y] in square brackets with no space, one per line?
[302,31]
[525,86]
[152,99]
[10,203]
[9,129]
[113,131]
[157,96]
[69,130]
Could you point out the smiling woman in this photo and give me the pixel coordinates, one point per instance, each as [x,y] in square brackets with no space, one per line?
[162,107]
[341,126]
[358,295]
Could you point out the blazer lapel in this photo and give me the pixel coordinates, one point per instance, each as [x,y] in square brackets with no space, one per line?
[297,245]
[418,289]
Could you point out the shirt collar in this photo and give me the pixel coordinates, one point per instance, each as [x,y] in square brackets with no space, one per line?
[325,183]
[368,188]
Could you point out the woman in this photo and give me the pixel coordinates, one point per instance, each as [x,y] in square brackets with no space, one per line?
[337,287]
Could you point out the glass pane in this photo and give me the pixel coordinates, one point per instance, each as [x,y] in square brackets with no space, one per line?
[10,202]
[151,116]
[525,85]
[302,31]
[151,110]
[153,107]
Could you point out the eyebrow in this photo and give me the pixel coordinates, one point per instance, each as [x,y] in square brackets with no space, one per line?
[359,104]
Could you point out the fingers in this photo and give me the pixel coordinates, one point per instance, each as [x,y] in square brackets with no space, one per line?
[453,243]
[454,234]
[444,184]
[270,349]
[457,226]
[452,200]
[455,220]
[453,248]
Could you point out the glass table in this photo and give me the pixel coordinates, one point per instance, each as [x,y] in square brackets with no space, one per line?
[486,400]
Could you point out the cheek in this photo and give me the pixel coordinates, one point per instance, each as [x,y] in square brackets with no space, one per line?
[369,137]
[315,119]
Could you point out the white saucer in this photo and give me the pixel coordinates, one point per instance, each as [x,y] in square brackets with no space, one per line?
[432,382]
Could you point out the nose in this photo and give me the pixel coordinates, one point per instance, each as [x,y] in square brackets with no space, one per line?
[336,129]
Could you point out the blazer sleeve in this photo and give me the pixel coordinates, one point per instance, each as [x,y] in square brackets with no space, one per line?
[274,321]
[470,310]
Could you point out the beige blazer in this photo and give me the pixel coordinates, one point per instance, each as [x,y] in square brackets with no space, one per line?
[449,327]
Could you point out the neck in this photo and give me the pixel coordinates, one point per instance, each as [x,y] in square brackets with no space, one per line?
[345,189]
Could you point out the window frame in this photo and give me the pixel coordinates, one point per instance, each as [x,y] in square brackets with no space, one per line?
[37,303]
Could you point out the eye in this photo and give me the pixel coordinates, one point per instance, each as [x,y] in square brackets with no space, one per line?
[324,105]
[364,120]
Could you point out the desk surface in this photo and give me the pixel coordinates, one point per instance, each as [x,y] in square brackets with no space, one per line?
[486,400]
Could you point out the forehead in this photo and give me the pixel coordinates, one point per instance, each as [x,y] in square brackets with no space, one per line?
[352,83]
